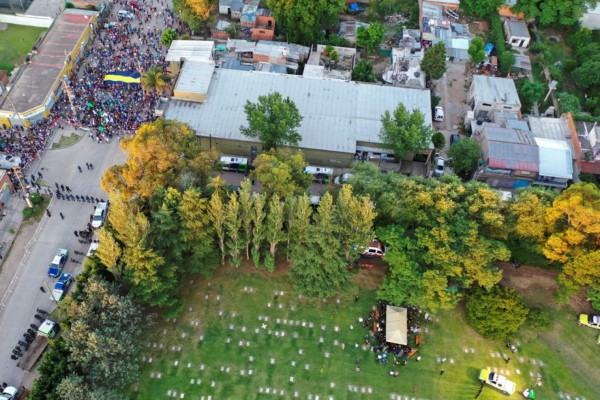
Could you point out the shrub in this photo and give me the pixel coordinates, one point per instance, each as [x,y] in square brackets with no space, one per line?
[540,319]
[35,198]
[30,212]
[439,140]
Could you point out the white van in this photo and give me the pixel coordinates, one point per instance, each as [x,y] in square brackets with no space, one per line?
[319,174]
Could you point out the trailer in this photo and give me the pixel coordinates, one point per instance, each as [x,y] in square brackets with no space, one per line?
[46,331]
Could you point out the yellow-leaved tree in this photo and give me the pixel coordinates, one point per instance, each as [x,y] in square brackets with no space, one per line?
[574,223]
[200,8]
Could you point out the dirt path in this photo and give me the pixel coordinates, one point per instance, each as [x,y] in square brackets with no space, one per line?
[530,281]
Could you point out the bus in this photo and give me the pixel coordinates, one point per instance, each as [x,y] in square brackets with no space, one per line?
[319,174]
[235,164]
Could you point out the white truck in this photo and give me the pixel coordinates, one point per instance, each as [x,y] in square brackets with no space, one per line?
[46,331]
[9,393]
[497,381]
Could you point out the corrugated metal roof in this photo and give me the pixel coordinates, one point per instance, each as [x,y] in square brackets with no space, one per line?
[518,28]
[336,113]
[555,158]
[488,89]
[549,128]
[195,77]
[514,156]
[190,50]
[517,124]
[508,135]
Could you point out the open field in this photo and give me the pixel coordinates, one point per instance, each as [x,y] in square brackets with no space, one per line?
[224,346]
[15,42]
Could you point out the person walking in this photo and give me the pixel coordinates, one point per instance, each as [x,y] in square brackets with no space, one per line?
[62,216]
[48,213]
[42,289]
[76,234]
[79,168]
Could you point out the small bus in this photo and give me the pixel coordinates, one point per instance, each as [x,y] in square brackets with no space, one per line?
[235,164]
[319,174]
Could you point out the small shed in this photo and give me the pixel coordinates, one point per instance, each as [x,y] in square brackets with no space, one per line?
[396,330]
[516,33]
[232,8]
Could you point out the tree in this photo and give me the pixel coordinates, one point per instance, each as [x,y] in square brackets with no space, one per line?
[105,336]
[245,198]
[298,215]
[354,217]
[548,12]
[434,61]
[527,216]
[497,313]
[273,121]
[480,8]
[163,153]
[568,102]
[52,369]
[216,213]
[587,75]
[302,21]
[363,72]
[281,172]
[371,37]
[167,37]
[465,155]
[531,91]
[154,79]
[439,140]
[476,50]
[574,223]
[201,8]
[404,132]
[258,226]
[233,225]
[506,60]
[319,268]
[274,229]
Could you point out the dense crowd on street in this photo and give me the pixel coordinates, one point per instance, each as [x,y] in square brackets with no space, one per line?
[100,109]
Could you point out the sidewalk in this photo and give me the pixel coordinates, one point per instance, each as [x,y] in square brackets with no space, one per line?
[9,225]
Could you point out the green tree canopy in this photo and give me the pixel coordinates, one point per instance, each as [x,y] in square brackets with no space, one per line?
[371,37]
[273,120]
[434,61]
[154,79]
[481,8]
[476,50]
[363,72]
[281,172]
[404,132]
[568,102]
[532,91]
[167,37]
[548,12]
[587,75]
[497,313]
[506,60]
[302,21]
[439,140]
[465,155]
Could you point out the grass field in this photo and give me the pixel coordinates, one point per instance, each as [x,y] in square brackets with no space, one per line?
[223,335]
[15,42]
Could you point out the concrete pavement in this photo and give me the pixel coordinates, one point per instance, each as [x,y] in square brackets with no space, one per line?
[23,295]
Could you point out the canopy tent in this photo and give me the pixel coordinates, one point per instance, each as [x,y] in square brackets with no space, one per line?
[396,325]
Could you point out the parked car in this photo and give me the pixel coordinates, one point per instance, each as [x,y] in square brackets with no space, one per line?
[7,161]
[440,164]
[99,214]
[61,286]
[454,138]
[438,114]
[374,249]
[58,262]
[339,180]
[592,321]
[497,381]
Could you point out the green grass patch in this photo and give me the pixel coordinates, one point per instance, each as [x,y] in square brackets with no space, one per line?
[37,211]
[66,141]
[15,42]
[221,347]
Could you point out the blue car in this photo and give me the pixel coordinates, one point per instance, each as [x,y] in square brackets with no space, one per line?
[61,286]
[58,262]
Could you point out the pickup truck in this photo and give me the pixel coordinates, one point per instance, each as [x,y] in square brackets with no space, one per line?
[46,331]
[61,286]
[497,381]
[58,262]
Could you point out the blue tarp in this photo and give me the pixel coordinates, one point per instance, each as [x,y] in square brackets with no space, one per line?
[354,7]
[489,48]
[519,183]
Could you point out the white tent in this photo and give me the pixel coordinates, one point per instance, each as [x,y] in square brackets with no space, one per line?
[395,325]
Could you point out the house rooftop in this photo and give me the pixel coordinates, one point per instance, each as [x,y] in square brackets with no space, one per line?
[190,50]
[195,77]
[488,89]
[555,158]
[336,114]
[518,28]
[510,149]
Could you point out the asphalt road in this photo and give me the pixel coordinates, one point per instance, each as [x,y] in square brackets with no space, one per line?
[24,295]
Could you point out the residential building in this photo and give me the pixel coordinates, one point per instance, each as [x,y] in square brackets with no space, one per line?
[489,94]
[38,85]
[439,23]
[516,33]
[405,69]
[340,119]
[320,66]
[349,29]
[232,8]
[182,51]
[589,137]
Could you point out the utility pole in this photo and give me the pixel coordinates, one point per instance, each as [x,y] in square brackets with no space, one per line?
[50,291]
[19,175]
[67,90]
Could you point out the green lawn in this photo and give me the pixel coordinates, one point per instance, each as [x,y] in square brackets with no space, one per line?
[15,42]
[220,347]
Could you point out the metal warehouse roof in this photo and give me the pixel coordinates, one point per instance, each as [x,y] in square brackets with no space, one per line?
[515,156]
[488,89]
[195,77]
[555,158]
[336,113]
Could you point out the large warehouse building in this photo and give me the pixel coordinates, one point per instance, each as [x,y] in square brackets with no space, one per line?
[340,118]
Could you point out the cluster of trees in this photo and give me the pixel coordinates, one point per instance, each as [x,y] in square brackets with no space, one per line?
[96,356]
[195,13]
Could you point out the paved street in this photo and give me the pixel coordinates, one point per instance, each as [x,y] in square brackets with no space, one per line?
[24,295]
